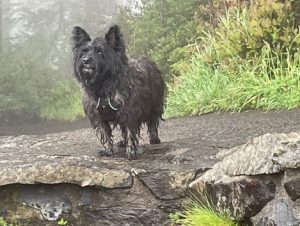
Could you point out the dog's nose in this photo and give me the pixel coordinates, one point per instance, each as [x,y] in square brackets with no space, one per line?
[85,59]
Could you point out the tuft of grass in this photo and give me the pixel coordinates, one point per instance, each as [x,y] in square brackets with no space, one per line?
[4,223]
[62,222]
[201,212]
[269,82]
[199,90]
[64,103]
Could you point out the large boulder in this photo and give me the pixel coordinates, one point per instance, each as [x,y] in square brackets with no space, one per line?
[44,178]
[259,180]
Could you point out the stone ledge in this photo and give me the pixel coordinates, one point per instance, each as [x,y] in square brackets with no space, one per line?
[62,175]
[257,180]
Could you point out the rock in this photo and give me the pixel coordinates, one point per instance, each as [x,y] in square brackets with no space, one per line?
[292,183]
[129,216]
[53,173]
[277,213]
[51,201]
[248,181]
[167,184]
[266,154]
[240,196]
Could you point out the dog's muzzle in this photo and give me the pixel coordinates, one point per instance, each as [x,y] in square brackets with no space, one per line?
[88,68]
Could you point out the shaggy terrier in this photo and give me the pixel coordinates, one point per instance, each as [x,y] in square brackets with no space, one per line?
[117,90]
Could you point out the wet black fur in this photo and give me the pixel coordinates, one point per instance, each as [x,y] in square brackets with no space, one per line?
[134,85]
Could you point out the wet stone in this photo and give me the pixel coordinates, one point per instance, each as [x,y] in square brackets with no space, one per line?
[292,183]
[259,180]
[167,184]
[63,176]
[242,197]
[277,213]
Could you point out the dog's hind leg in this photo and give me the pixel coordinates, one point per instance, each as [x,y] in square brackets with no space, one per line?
[123,143]
[131,148]
[153,130]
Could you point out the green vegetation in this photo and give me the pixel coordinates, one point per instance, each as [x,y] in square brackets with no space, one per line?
[265,85]
[29,89]
[62,222]
[201,213]
[24,84]
[63,103]
[241,55]
[4,223]
[161,30]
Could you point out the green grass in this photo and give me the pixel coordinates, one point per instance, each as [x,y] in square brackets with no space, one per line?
[4,223]
[62,222]
[266,83]
[64,103]
[201,213]
[198,91]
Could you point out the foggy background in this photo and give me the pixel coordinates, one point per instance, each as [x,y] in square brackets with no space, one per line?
[36,56]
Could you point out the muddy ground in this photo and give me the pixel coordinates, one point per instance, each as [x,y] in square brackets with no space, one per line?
[233,128]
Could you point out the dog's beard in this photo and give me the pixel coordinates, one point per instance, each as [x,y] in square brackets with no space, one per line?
[90,77]
[91,74]
[87,74]
[88,71]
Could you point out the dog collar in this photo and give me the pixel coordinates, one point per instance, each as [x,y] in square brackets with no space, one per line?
[104,103]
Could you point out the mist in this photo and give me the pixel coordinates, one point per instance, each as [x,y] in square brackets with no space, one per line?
[36,55]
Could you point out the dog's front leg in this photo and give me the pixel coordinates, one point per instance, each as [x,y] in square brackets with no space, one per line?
[104,134]
[131,148]
[123,143]
[102,128]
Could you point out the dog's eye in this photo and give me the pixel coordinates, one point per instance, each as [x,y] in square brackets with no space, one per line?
[99,52]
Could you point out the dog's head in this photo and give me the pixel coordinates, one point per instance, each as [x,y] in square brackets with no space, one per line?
[95,59]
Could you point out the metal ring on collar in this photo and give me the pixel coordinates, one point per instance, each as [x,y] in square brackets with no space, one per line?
[115,109]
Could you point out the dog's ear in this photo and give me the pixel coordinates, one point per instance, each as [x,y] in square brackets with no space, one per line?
[114,39]
[79,36]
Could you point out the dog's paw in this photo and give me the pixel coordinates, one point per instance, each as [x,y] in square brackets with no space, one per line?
[131,152]
[106,152]
[154,140]
[122,143]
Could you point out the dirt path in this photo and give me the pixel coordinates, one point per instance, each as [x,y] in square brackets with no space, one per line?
[232,128]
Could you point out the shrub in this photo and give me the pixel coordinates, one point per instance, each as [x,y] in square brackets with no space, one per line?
[160,28]
[199,90]
[244,30]
[263,83]
[4,223]
[24,84]
[63,103]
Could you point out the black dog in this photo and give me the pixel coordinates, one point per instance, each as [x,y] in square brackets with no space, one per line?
[117,91]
